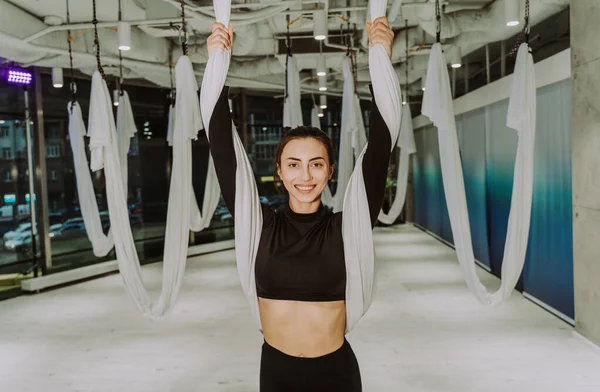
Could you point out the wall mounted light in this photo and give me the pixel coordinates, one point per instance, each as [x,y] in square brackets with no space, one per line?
[18,76]
[116,97]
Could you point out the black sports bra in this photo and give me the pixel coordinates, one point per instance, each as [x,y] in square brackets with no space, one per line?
[301,256]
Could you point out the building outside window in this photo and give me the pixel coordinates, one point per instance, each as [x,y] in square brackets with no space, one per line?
[7,153]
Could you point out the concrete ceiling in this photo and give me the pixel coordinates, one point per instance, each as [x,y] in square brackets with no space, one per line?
[26,35]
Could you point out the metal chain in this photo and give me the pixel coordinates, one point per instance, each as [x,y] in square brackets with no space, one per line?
[172,93]
[183,36]
[288,44]
[97,41]
[406,68]
[523,36]
[73,87]
[438,22]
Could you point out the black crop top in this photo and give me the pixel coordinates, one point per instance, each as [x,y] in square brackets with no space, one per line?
[300,256]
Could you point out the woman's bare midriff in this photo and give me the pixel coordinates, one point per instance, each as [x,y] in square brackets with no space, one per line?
[303,329]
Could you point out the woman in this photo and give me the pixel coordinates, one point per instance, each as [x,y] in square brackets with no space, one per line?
[300,269]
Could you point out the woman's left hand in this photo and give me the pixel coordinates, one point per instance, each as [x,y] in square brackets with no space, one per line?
[379,32]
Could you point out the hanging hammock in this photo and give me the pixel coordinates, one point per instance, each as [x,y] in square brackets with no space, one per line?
[356,224]
[359,134]
[101,243]
[349,138]
[437,105]
[105,154]
[292,110]
[406,146]
[126,129]
[326,197]
[212,190]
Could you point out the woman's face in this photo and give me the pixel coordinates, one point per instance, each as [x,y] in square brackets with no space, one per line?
[305,169]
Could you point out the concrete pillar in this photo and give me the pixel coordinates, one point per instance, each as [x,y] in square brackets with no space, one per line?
[585,124]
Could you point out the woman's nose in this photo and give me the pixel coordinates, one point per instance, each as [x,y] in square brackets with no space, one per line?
[306,175]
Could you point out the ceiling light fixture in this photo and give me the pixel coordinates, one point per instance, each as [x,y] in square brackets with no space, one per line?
[57,77]
[455,57]
[511,12]
[323,102]
[320,25]
[322,83]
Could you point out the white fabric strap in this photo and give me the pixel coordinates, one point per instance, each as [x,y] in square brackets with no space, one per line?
[248,214]
[101,243]
[347,134]
[126,129]
[437,105]
[326,196]
[359,136]
[407,146]
[212,190]
[292,110]
[356,222]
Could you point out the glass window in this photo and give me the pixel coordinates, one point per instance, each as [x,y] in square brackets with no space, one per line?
[53,151]
[4,131]
[6,153]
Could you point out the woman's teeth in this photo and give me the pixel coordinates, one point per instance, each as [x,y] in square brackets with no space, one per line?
[305,188]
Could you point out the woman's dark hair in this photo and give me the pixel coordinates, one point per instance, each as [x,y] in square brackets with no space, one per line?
[303,132]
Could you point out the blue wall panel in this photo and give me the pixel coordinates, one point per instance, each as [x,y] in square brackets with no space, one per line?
[488,151]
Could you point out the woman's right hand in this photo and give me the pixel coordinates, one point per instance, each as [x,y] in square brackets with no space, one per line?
[221,38]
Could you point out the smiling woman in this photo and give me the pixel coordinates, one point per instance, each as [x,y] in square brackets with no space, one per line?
[300,265]
[304,162]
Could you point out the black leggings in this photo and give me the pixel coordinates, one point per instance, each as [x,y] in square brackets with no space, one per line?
[334,372]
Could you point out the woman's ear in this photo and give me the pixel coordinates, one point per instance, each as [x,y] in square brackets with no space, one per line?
[331,169]
[279,170]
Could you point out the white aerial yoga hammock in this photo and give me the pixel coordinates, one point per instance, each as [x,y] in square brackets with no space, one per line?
[101,243]
[126,129]
[359,134]
[315,122]
[292,110]
[352,136]
[105,155]
[406,145]
[212,190]
[356,223]
[437,105]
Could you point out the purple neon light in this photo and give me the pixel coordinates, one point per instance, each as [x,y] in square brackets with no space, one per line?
[19,77]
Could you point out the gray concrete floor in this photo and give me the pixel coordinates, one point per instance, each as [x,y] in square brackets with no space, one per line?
[424,332]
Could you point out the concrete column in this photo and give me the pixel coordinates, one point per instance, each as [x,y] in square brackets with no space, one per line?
[585,124]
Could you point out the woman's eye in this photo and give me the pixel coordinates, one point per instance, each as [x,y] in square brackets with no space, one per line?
[292,165]
[318,165]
